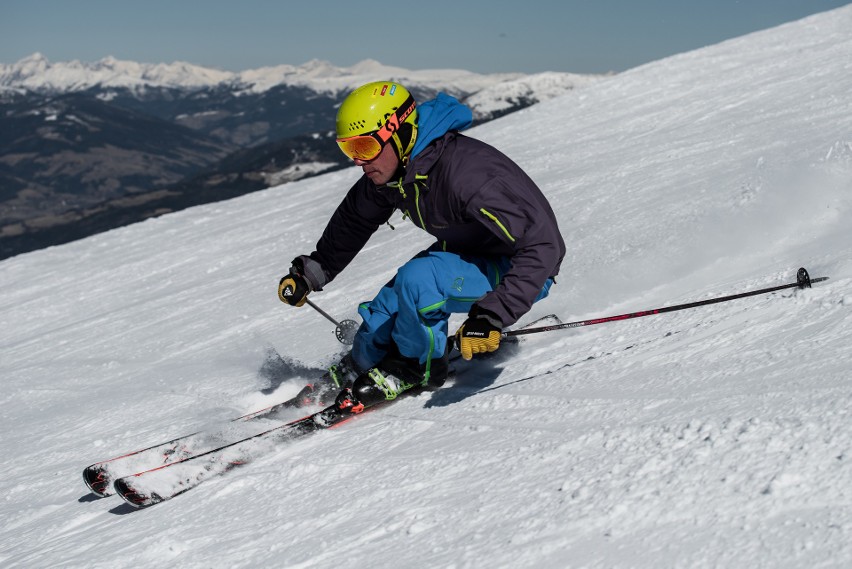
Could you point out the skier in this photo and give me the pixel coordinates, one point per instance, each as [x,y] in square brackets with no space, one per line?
[497,252]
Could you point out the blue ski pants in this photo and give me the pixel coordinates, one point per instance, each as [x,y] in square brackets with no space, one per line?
[413,309]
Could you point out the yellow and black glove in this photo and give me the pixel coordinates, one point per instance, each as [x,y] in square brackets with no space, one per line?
[293,289]
[479,334]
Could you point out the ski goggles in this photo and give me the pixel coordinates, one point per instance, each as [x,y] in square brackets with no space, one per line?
[368,146]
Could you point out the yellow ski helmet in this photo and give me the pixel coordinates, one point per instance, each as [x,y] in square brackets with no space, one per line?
[373,115]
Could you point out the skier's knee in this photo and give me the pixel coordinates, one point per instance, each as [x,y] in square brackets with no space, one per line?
[413,273]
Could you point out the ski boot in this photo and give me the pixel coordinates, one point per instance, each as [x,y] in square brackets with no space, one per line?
[339,376]
[372,387]
[385,382]
[377,385]
[347,404]
[411,371]
[395,374]
[352,391]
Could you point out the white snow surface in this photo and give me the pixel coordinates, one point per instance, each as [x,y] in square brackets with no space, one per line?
[539,87]
[719,436]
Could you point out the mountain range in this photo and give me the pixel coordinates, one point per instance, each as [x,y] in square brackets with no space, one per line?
[86,147]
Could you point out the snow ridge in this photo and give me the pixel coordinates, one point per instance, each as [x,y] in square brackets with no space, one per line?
[36,73]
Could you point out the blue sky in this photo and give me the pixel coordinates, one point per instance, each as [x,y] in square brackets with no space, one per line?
[582,36]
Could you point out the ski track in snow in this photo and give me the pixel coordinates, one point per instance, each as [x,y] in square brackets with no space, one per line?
[716,436]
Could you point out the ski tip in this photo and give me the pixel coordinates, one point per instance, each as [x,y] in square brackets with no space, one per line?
[131,496]
[97,480]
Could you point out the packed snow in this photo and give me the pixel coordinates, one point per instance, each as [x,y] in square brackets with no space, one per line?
[719,436]
[537,88]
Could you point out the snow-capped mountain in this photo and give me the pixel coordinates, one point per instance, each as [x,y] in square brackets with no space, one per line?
[713,437]
[36,73]
[86,147]
[497,93]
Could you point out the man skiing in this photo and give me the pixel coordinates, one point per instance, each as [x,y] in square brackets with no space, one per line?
[498,246]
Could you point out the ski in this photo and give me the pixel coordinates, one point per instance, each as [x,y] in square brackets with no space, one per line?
[100,476]
[164,482]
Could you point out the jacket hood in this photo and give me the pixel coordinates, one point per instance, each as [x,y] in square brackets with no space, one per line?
[437,117]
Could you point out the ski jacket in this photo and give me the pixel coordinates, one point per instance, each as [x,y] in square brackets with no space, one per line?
[467,194]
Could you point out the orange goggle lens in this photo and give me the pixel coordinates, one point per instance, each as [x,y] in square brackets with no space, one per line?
[362,147]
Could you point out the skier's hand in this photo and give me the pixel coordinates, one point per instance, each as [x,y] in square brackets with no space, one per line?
[293,289]
[478,334]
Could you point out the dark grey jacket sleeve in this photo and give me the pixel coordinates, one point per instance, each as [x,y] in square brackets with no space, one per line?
[515,210]
[361,212]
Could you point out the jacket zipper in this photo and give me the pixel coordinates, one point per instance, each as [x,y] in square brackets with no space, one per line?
[417,204]
[401,187]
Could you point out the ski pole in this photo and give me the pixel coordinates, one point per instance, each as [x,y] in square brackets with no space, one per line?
[803,280]
[344,330]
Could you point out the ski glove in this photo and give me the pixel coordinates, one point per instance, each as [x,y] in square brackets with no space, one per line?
[293,289]
[480,333]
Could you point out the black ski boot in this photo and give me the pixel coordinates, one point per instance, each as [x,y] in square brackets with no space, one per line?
[378,385]
[347,403]
[429,377]
[339,376]
[397,373]
[439,370]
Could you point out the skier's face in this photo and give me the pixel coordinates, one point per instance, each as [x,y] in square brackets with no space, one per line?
[380,169]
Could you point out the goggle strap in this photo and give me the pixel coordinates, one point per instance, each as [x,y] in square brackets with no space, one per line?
[395,120]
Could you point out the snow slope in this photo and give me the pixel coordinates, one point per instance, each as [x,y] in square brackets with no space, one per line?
[719,436]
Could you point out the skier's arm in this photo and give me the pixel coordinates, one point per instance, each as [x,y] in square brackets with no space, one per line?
[358,216]
[525,221]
